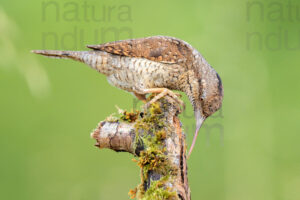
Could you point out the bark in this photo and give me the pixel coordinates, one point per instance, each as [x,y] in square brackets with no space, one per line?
[169,171]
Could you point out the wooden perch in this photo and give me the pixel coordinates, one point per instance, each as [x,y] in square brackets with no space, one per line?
[156,139]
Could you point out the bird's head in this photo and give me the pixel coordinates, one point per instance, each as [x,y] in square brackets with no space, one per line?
[211,95]
[208,101]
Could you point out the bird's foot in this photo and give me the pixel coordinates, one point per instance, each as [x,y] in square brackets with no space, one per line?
[171,97]
[179,106]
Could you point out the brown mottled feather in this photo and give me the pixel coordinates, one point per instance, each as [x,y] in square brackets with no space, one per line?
[157,48]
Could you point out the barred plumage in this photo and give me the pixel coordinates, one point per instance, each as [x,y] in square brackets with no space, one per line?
[154,64]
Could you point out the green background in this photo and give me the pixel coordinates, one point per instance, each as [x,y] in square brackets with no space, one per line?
[48,107]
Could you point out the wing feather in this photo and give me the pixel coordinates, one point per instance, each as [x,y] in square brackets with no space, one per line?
[156,48]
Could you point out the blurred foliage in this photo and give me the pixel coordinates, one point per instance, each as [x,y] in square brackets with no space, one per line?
[249,150]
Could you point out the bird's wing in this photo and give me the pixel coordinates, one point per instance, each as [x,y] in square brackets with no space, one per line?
[156,48]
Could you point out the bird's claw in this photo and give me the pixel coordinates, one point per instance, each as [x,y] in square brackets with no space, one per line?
[177,103]
[173,98]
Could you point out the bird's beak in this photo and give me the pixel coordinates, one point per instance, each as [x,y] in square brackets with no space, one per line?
[199,121]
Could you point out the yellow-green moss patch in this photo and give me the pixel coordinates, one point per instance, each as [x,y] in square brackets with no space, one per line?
[151,131]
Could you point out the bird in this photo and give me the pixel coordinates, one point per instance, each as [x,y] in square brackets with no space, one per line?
[155,64]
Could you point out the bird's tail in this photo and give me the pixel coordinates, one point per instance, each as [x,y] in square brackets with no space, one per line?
[74,55]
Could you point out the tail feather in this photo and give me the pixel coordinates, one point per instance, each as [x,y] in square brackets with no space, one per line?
[95,59]
[74,55]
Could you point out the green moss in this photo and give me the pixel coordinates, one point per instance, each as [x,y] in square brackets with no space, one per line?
[157,190]
[130,116]
[152,159]
[160,135]
[151,131]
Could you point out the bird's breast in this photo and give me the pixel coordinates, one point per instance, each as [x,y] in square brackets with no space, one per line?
[139,73]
